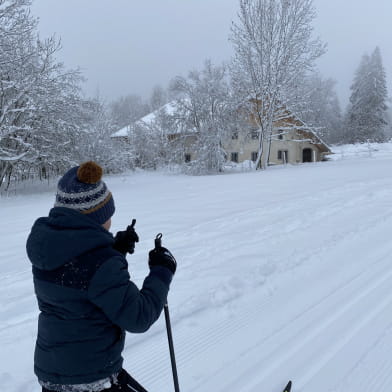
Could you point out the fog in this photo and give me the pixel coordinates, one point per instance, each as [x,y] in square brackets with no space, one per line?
[127,47]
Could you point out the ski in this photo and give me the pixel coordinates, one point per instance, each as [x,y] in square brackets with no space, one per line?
[288,387]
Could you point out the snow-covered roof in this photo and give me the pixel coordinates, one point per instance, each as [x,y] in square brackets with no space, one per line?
[168,109]
[313,132]
[123,132]
[148,120]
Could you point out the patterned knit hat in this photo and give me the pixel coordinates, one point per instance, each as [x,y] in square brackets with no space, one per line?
[81,189]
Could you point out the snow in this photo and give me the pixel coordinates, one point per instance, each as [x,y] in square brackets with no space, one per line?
[147,120]
[168,109]
[283,274]
[123,132]
[364,150]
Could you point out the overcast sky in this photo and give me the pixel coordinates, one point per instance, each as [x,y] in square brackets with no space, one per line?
[129,46]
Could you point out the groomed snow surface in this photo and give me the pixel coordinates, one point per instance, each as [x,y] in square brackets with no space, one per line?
[283,274]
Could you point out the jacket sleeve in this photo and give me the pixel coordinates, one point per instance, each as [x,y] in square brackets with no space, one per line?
[122,302]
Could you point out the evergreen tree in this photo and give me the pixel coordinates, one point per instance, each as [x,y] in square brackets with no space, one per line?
[366,118]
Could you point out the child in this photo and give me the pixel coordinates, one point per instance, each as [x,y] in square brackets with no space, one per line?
[85,296]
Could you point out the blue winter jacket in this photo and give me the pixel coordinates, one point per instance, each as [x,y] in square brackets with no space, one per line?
[86,298]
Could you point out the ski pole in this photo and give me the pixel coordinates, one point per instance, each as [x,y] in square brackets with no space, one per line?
[171,348]
[158,244]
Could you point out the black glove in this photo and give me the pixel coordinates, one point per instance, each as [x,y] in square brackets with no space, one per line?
[124,241]
[162,257]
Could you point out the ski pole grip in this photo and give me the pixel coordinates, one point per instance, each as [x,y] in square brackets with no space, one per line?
[131,226]
[158,241]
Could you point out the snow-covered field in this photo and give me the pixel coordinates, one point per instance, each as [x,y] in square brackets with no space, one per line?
[283,274]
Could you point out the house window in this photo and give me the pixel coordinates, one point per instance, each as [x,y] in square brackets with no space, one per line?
[234,157]
[188,158]
[254,135]
[283,155]
[234,135]
[253,156]
[280,136]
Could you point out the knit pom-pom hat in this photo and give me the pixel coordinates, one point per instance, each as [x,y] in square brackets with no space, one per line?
[82,189]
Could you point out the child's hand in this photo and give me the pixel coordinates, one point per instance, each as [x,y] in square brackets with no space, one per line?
[124,241]
[162,257]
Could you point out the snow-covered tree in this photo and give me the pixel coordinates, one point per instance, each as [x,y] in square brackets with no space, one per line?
[127,110]
[388,131]
[366,118]
[158,98]
[273,51]
[96,143]
[204,108]
[147,144]
[322,109]
[39,99]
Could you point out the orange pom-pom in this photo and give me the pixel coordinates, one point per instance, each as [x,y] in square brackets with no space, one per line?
[89,172]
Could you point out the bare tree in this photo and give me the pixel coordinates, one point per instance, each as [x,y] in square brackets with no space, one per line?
[273,51]
[96,143]
[127,110]
[205,108]
[322,109]
[158,98]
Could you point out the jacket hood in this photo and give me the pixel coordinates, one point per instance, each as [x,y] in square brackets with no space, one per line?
[64,234]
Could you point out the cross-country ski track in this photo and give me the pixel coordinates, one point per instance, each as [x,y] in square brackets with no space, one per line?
[282,275]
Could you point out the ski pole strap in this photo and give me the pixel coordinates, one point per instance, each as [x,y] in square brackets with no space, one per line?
[171,348]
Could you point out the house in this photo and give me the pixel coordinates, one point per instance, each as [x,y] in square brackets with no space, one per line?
[161,122]
[122,135]
[292,141]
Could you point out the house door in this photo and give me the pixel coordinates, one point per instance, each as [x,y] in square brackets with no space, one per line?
[307,155]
